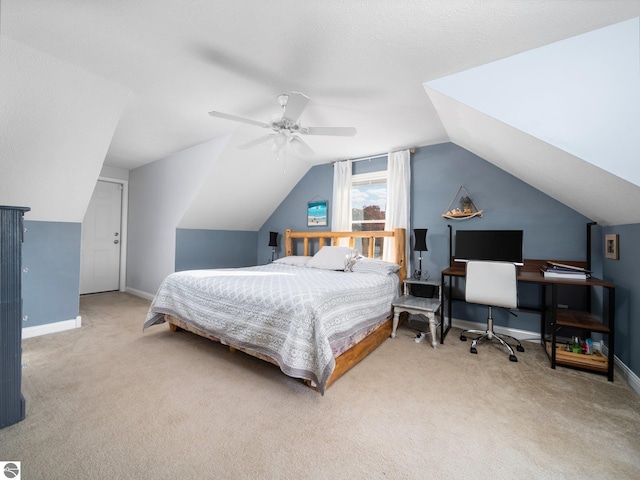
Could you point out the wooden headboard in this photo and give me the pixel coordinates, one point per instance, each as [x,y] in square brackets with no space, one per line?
[399,234]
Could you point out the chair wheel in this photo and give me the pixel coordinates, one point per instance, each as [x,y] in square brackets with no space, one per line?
[473,350]
[520,348]
[463,338]
[513,358]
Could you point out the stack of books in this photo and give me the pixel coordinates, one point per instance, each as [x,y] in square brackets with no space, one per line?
[561,270]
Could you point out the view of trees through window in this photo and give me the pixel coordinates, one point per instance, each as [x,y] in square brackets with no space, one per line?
[368,205]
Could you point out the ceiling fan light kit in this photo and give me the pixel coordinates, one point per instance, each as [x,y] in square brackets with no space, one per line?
[279,141]
[286,125]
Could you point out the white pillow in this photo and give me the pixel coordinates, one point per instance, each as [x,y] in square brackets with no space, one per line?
[372,265]
[295,260]
[331,258]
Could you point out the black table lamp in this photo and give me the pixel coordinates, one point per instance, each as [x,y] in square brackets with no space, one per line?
[273,243]
[420,244]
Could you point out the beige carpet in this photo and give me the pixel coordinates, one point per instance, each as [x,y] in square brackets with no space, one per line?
[107,401]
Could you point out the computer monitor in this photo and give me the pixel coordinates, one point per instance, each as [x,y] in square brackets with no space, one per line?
[497,245]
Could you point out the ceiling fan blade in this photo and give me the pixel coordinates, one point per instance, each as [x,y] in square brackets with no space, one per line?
[295,106]
[300,146]
[235,118]
[257,141]
[335,131]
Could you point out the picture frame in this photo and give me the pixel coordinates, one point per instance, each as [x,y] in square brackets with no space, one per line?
[611,246]
[317,213]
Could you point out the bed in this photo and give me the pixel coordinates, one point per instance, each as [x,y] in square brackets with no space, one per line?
[315,316]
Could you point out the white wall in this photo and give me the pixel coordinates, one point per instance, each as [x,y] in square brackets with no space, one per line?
[114,172]
[56,124]
[581,95]
[241,193]
[159,194]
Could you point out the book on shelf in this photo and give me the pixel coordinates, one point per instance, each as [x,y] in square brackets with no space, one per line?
[563,267]
[571,274]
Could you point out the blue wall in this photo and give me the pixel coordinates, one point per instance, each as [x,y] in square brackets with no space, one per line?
[51,286]
[196,249]
[551,229]
[292,212]
[624,274]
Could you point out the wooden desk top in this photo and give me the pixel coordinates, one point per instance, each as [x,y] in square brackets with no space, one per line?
[530,272]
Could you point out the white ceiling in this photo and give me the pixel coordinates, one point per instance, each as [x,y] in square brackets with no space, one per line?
[363,64]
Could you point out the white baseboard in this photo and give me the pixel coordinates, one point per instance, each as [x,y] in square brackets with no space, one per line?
[525,335]
[140,293]
[522,335]
[48,328]
[631,378]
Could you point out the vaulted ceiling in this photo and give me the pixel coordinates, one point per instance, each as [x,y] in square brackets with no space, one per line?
[130,82]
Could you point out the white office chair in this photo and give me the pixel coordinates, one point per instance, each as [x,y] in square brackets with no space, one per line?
[493,284]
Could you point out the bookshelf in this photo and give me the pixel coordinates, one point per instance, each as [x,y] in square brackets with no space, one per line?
[560,323]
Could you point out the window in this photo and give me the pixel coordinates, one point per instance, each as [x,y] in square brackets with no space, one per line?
[368,205]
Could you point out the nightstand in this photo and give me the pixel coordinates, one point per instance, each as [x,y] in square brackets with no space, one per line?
[423,298]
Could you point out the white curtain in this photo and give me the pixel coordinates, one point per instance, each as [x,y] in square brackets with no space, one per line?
[398,208]
[341,205]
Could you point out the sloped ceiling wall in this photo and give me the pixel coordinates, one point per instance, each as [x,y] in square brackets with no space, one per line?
[56,126]
[240,193]
[160,194]
[595,193]
[565,118]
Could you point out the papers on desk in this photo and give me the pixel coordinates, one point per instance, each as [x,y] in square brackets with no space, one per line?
[572,276]
[561,270]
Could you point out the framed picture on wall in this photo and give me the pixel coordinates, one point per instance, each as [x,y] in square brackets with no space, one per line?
[317,213]
[611,246]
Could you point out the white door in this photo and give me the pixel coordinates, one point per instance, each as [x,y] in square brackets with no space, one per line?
[101,232]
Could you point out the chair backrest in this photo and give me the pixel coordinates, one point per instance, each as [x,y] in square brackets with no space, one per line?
[491,283]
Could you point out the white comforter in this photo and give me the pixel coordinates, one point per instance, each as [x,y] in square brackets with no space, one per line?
[290,314]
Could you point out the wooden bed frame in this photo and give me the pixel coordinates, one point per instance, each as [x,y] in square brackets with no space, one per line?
[355,354]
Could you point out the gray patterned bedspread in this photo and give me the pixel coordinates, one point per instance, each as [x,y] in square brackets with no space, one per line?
[291,314]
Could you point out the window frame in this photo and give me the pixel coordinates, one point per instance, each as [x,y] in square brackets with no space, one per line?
[369,178]
[379,177]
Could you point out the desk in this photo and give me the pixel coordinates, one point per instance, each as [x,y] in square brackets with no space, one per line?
[530,273]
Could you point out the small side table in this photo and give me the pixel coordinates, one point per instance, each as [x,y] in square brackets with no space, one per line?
[424,306]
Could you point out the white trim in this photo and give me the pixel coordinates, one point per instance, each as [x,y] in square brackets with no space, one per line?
[523,335]
[47,328]
[626,373]
[140,293]
[123,228]
[370,178]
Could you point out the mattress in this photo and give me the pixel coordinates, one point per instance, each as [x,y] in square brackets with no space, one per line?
[300,317]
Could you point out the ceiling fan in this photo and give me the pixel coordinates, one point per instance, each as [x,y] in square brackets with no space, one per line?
[286,125]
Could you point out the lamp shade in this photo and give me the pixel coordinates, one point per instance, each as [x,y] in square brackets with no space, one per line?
[420,243]
[273,239]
